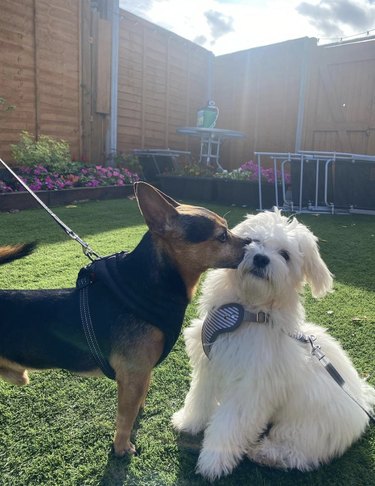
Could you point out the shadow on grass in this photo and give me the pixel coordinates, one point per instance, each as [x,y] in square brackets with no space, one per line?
[117,472]
[86,219]
[347,245]
[346,242]
[354,468]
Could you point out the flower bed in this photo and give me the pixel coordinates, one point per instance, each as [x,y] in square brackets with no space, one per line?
[75,182]
[241,186]
[75,174]
[249,172]
[238,187]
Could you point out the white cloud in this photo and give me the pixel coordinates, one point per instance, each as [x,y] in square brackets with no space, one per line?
[335,17]
[224,26]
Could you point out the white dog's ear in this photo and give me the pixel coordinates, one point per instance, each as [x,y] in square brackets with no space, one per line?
[315,270]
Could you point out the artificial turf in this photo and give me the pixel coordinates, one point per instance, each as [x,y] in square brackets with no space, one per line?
[58,430]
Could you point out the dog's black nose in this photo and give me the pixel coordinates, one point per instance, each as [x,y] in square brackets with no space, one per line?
[261,261]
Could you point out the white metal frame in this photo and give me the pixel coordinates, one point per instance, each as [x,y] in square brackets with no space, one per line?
[301,157]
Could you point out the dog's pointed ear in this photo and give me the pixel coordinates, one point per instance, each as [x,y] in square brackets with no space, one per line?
[168,198]
[315,270]
[157,209]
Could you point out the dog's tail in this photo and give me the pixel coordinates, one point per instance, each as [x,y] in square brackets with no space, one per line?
[13,252]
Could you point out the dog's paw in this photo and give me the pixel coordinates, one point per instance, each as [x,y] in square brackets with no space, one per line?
[121,451]
[281,456]
[15,377]
[213,464]
[184,422]
[266,459]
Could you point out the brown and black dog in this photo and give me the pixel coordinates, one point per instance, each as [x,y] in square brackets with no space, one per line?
[137,323]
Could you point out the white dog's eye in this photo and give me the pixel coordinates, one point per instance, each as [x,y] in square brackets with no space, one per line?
[285,255]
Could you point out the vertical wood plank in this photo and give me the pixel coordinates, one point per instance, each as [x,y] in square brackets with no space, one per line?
[86,84]
[36,72]
[103,67]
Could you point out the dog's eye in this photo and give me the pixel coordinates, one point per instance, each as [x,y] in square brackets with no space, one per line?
[285,255]
[223,236]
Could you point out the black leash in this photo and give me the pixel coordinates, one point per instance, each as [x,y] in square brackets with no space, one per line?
[87,250]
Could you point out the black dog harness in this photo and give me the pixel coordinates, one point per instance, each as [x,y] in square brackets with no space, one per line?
[145,302]
[229,317]
[85,279]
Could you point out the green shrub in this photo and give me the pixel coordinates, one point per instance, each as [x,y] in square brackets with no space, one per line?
[126,161]
[47,150]
[5,106]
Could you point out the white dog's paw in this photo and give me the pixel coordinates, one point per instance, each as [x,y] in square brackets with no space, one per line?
[281,456]
[212,464]
[182,421]
[267,458]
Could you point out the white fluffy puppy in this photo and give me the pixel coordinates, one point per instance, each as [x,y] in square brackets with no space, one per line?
[261,392]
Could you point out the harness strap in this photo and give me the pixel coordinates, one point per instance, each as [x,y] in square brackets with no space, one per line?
[83,285]
[229,317]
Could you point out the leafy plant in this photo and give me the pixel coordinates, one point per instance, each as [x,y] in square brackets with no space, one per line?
[195,170]
[5,106]
[46,150]
[125,161]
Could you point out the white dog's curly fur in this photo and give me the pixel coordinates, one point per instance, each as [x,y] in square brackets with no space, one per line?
[262,393]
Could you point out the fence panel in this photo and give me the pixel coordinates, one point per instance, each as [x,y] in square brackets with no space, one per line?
[17,71]
[39,70]
[340,104]
[258,93]
[162,83]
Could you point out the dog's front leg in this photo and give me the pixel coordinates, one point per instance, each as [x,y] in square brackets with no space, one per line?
[232,427]
[131,390]
[199,402]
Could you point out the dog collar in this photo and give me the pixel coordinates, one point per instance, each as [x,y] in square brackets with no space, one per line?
[227,318]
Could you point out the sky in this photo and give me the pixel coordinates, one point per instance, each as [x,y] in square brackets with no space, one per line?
[224,26]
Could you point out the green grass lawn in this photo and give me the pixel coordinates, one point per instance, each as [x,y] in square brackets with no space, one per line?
[58,430]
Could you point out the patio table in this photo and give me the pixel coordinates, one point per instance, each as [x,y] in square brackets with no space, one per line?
[155,161]
[210,141]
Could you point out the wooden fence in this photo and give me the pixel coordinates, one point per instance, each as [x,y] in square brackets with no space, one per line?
[340,99]
[297,96]
[163,80]
[40,70]
[55,69]
[258,92]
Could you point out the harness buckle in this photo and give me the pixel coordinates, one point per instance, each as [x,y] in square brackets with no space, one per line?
[261,317]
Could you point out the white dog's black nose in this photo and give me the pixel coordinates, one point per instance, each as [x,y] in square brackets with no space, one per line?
[260,261]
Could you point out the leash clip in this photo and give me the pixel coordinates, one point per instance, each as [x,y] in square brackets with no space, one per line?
[316,349]
[90,253]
